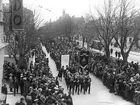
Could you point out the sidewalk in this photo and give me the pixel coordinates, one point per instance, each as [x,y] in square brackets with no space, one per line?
[131,52]
[11,99]
[133,56]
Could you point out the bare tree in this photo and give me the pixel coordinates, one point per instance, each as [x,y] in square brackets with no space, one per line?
[104,25]
[21,42]
[127,25]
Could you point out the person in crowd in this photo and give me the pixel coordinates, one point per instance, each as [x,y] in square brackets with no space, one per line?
[15,83]
[21,102]
[77,84]
[88,84]
[4,91]
[119,55]
[116,54]
[56,81]
[60,73]
[43,88]
[11,82]
[69,99]
[21,84]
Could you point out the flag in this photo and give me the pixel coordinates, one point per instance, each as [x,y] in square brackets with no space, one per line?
[84,58]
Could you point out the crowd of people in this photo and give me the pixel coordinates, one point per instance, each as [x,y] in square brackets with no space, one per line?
[37,84]
[77,78]
[8,68]
[122,80]
[77,82]
[39,87]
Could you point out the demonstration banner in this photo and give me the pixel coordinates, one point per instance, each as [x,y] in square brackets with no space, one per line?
[84,57]
[29,63]
[65,60]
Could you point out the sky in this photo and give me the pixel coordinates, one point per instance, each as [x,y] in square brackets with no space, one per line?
[72,7]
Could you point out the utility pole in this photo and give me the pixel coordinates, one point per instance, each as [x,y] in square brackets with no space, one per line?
[2,45]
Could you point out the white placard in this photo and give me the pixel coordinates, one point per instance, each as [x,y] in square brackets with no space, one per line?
[65,60]
[85,45]
[29,63]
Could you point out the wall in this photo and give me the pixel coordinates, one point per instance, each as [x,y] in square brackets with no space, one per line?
[1,66]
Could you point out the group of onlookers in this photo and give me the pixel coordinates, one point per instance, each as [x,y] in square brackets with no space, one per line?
[121,79]
[39,87]
[37,84]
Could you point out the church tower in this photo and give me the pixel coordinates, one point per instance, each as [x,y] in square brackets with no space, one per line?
[64,12]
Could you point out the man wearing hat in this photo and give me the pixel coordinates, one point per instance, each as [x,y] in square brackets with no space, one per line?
[88,84]
[11,82]
[21,84]
[4,91]
[77,85]
[35,102]
[15,82]
[22,101]
[69,99]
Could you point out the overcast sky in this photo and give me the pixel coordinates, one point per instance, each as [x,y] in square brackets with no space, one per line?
[72,7]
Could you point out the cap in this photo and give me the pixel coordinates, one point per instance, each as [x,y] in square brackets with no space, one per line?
[35,100]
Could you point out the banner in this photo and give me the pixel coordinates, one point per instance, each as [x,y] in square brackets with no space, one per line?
[29,63]
[65,60]
[85,45]
[84,57]
[33,60]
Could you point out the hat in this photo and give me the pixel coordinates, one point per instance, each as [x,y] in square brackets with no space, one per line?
[24,78]
[28,97]
[22,98]
[40,89]
[35,100]
[137,75]
[63,99]
[56,88]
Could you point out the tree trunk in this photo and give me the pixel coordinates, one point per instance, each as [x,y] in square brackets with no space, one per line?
[16,60]
[125,57]
[22,62]
[107,51]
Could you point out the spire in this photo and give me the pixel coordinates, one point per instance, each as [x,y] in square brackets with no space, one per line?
[64,12]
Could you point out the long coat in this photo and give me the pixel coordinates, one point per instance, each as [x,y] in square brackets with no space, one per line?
[4,90]
[60,73]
